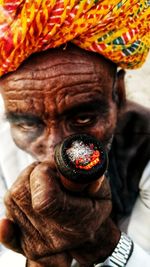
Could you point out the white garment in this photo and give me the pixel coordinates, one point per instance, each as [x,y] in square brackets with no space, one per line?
[10,258]
[139,258]
[13,160]
[139,224]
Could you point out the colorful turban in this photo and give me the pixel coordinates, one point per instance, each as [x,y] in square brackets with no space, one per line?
[119,30]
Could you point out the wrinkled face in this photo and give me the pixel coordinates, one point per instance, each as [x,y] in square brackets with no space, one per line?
[56,94]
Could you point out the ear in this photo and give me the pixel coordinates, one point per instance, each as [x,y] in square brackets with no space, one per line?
[118,94]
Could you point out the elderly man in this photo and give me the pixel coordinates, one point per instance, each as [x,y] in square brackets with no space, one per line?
[52,95]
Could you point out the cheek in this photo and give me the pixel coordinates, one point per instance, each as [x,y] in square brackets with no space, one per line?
[105,127]
[34,144]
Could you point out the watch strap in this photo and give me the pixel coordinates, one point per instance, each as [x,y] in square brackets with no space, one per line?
[121,253]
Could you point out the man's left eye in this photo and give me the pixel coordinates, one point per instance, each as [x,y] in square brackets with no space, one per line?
[84,120]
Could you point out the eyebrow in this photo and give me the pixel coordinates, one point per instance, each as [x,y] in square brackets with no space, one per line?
[14,117]
[94,105]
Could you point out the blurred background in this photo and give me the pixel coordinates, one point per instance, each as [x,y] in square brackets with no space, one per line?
[138,84]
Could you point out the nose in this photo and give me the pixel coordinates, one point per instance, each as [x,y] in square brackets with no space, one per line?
[53,139]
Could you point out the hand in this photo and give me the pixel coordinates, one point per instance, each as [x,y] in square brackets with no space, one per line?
[49,223]
[100,247]
[19,234]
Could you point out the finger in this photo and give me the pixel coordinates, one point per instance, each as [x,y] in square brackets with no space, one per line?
[44,189]
[36,228]
[94,187]
[48,195]
[49,199]
[31,243]
[21,186]
[9,235]
[100,189]
[55,213]
[30,191]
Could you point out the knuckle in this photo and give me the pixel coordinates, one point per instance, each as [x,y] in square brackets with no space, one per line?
[7,199]
[41,167]
[45,192]
[26,172]
[21,186]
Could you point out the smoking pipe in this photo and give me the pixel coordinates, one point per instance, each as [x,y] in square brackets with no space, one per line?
[81,159]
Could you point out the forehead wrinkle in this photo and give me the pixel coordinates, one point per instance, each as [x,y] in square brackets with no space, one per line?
[34,106]
[60,66]
[21,95]
[28,75]
[44,73]
[89,87]
[57,58]
[55,82]
[69,101]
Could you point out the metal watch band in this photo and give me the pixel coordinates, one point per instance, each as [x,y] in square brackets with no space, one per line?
[121,253]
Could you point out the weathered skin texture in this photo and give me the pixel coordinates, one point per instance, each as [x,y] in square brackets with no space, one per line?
[56,90]
[51,96]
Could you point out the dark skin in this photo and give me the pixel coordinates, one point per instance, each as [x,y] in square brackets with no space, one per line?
[51,96]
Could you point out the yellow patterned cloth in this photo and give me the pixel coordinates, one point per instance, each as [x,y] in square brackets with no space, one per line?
[119,30]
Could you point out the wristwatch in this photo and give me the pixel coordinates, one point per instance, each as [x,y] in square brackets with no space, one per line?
[121,253]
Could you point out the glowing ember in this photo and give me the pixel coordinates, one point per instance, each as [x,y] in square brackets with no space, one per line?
[83,156]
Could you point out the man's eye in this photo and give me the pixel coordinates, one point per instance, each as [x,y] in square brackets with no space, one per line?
[84,120]
[27,126]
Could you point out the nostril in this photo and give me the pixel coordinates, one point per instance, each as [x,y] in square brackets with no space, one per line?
[40,149]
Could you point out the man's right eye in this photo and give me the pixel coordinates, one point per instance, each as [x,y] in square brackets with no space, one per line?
[27,126]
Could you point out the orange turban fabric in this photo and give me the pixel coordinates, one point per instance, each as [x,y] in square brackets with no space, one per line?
[119,30]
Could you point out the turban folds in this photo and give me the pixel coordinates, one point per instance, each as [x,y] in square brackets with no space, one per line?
[119,30]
